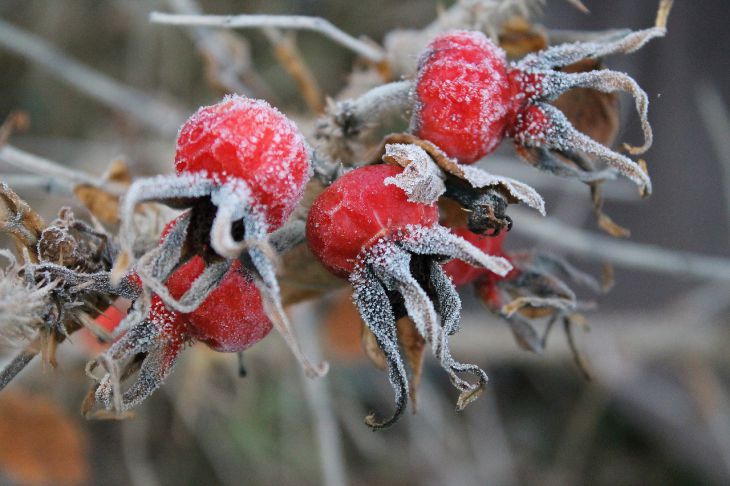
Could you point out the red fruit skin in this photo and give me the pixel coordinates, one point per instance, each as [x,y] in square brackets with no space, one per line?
[232,318]
[462,273]
[356,211]
[241,138]
[465,97]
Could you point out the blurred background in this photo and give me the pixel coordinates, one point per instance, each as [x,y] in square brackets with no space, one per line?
[657,410]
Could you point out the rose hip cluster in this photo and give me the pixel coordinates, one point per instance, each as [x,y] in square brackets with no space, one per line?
[469,98]
[241,170]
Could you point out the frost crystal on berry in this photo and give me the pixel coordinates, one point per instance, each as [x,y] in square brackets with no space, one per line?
[241,166]
[391,248]
[468,98]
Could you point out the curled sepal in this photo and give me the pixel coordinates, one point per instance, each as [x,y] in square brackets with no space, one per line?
[264,266]
[235,203]
[449,307]
[395,267]
[376,312]
[437,240]
[543,125]
[173,189]
[423,182]
[566,54]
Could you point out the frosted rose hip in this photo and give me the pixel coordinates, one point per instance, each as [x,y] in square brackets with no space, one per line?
[469,98]
[247,139]
[391,250]
[355,211]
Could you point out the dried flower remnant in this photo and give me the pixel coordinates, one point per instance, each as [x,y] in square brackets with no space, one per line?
[22,304]
[241,167]
[534,289]
[429,173]
[391,249]
[230,319]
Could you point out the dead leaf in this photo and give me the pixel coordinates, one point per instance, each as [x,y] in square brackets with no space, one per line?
[19,221]
[372,350]
[609,226]
[100,202]
[414,347]
[580,360]
[519,38]
[15,121]
[39,445]
[514,191]
[608,279]
[592,112]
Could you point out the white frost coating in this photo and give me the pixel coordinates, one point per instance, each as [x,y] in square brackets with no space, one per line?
[421,179]
[21,305]
[233,200]
[479,178]
[566,54]
[156,188]
[437,240]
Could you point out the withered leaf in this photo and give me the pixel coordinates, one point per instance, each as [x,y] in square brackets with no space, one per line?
[580,360]
[514,190]
[519,37]
[414,347]
[19,220]
[100,202]
[525,335]
[592,112]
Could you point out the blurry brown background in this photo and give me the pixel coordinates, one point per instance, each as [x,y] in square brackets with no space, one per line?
[658,411]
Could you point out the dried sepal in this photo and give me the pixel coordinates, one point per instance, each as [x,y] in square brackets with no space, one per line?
[377,314]
[414,350]
[421,179]
[593,112]
[476,178]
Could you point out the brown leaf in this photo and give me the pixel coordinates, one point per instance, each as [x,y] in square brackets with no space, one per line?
[513,190]
[604,221]
[100,202]
[414,347]
[38,443]
[19,220]
[372,350]
[519,38]
[592,112]
[609,226]
[608,278]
